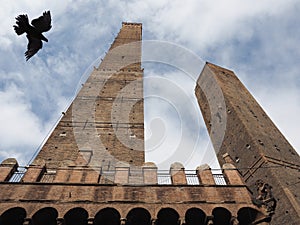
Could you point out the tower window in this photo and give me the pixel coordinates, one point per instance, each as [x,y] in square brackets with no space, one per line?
[63,134]
[260,142]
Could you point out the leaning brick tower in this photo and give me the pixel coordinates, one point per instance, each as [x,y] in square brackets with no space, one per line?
[91,170]
[105,123]
[249,139]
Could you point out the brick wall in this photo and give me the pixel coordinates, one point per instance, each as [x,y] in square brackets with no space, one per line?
[239,127]
[105,123]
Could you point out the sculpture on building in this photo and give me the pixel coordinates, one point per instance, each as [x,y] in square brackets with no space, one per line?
[265,196]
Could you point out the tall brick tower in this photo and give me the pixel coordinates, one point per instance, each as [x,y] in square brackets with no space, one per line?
[249,139]
[91,170]
[105,123]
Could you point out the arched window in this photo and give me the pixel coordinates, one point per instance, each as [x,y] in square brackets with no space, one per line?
[138,216]
[195,216]
[45,216]
[76,216]
[13,216]
[221,216]
[248,215]
[167,216]
[107,216]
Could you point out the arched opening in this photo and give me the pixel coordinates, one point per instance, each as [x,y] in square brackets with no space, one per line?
[107,216]
[13,216]
[167,216]
[221,216]
[138,216]
[248,215]
[45,216]
[76,216]
[195,216]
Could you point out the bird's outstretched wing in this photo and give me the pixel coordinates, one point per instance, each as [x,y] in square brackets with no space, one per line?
[22,24]
[34,45]
[43,23]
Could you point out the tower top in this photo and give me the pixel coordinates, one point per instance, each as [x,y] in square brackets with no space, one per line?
[131,24]
[105,122]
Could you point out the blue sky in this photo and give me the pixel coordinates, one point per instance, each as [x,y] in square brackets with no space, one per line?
[258,40]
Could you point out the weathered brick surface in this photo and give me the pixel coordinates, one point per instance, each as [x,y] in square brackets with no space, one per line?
[149,173]
[177,174]
[77,188]
[121,175]
[33,174]
[94,197]
[204,175]
[232,174]
[105,123]
[94,160]
[257,147]
[7,168]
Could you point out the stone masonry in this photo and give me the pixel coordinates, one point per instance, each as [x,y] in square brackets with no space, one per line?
[105,123]
[92,168]
[240,129]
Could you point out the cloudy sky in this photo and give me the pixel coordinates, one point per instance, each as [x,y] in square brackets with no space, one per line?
[258,40]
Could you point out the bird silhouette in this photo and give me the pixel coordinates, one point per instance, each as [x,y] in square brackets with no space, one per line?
[33,31]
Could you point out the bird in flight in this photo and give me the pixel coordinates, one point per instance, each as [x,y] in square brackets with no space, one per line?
[33,31]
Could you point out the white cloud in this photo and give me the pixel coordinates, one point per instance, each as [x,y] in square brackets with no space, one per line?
[257,39]
[20,128]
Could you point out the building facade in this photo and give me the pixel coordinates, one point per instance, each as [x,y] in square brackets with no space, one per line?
[92,168]
[240,129]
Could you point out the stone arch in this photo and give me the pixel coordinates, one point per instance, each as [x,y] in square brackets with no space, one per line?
[221,216]
[13,216]
[107,216]
[167,216]
[45,216]
[247,215]
[138,216]
[76,216]
[195,216]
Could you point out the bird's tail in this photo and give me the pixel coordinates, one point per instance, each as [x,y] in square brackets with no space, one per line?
[22,24]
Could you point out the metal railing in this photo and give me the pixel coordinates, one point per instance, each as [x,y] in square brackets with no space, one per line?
[18,175]
[192,179]
[163,177]
[219,179]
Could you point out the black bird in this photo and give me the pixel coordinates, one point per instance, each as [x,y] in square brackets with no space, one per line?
[34,32]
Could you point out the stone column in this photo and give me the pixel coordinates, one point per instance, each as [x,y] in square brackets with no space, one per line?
[204,175]
[150,173]
[34,171]
[177,174]
[232,174]
[122,173]
[7,169]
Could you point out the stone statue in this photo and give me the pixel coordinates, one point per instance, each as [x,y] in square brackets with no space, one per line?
[265,196]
